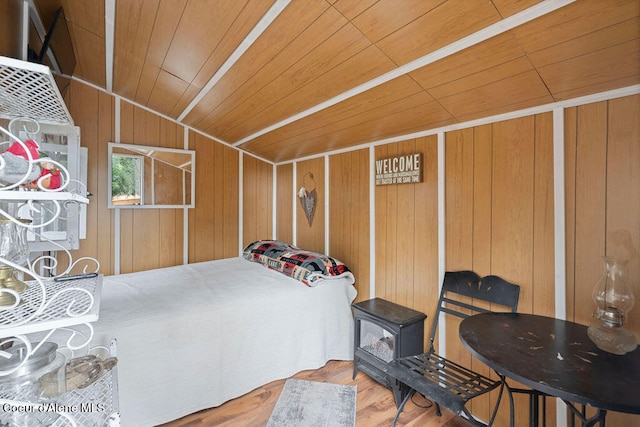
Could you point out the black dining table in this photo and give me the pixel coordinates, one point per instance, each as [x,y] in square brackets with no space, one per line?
[555,357]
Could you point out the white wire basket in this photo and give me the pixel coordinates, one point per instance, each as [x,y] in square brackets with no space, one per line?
[29,90]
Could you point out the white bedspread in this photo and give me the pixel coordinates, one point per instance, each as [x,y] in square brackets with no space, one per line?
[192,337]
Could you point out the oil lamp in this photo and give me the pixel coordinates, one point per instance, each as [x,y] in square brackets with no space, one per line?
[13,248]
[613,299]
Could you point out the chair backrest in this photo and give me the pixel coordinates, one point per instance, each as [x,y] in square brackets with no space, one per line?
[492,289]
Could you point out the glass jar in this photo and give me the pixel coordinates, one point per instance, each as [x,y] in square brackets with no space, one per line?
[613,299]
[30,381]
[13,240]
[612,295]
[14,247]
[35,376]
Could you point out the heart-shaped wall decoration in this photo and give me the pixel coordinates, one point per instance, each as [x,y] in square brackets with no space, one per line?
[308,202]
[308,198]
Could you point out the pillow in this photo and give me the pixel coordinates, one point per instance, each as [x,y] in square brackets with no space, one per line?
[311,268]
[267,253]
[261,250]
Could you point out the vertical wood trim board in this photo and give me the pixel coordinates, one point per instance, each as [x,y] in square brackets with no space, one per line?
[241,184]
[116,231]
[559,202]
[242,187]
[294,210]
[442,234]
[185,211]
[327,206]
[372,222]
[274,203]
[229,200]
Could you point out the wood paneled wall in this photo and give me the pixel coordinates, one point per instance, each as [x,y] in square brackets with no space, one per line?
[310,174]
[499,219]
[602,176]
[94,112]
[257,196]
[499,205]
[602,157]
[406,231]
[11,28]
[153,238]
[348,199]
[349,227]
[149,238]
[214,223]
[284,202]
[499,208]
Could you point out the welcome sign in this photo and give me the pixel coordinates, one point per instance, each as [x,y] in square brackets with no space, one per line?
[404,169]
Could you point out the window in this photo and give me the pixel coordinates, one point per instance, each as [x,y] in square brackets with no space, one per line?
[127,178]
[143,176]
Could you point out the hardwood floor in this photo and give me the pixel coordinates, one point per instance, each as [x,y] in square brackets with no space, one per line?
[375,405]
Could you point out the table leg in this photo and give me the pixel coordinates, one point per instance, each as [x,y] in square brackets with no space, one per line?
[598,418]
[534,406]
[533,409]
[503,384]
[401,407]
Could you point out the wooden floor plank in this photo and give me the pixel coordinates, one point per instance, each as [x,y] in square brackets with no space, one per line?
[374,407]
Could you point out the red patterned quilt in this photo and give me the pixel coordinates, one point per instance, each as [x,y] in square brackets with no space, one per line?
[310,268]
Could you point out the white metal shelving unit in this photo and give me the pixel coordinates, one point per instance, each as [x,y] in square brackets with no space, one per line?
[64,304]
[28,91]
[19,195]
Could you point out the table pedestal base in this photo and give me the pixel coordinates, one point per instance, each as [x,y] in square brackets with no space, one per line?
[598,418]
[538,409]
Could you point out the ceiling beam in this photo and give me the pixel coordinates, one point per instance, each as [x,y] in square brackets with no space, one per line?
[32,13]
[260,27]
[109,39]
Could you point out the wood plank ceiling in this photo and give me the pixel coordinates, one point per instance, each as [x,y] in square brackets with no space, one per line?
[288,79]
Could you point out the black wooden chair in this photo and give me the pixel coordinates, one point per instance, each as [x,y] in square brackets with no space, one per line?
[438,379]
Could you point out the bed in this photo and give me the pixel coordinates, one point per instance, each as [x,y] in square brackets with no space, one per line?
[192,337]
